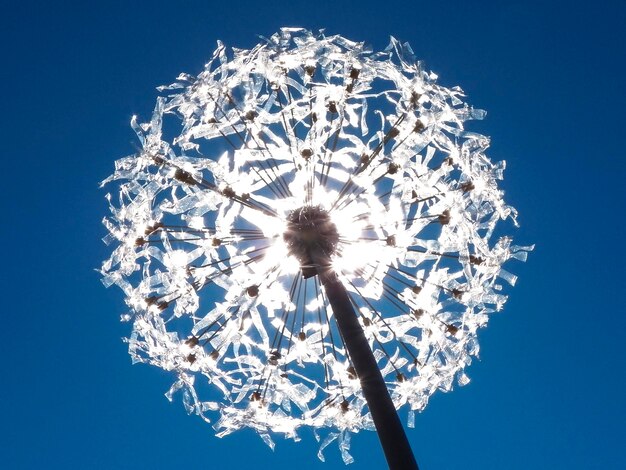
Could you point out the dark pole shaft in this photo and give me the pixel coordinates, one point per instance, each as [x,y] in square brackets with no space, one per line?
[390,431]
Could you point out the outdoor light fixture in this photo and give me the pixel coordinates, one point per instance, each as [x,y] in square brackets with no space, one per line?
[308,237]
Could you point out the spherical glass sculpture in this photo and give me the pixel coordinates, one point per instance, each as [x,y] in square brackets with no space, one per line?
[306,148]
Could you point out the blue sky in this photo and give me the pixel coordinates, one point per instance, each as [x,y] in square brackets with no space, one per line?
[548,391]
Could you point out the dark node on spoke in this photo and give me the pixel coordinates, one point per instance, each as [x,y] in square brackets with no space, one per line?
[228,192]
[184,177]
[192,341]
[392,134]
[457,293]
[467,186]
[274,357]
[302,336]
[332,107]
[393,168]
[419,126]
[191,358]
[476,260]
[152,300]
[214,355]
[216,242]
[306,153]
[153,228]
[391,240]
[250,115]
[311,236]
[417,313]
[345,406]
[245,196]
[444,217]
[452,330]
[252,291]
[415,98]
[158,160]
[400,377]
[310,70]
[416,289]
[352,372]
[163,305]
[140,241]
[354,73]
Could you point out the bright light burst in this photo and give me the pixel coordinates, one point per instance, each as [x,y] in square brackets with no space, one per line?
[364,145]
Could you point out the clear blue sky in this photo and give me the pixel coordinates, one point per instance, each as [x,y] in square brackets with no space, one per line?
[548,392]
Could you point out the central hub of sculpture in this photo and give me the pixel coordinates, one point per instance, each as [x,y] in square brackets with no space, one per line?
[311,237]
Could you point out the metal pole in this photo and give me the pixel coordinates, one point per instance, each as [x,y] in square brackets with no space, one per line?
[390,431]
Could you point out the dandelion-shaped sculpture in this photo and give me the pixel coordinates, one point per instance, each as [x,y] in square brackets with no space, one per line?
[306,239]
